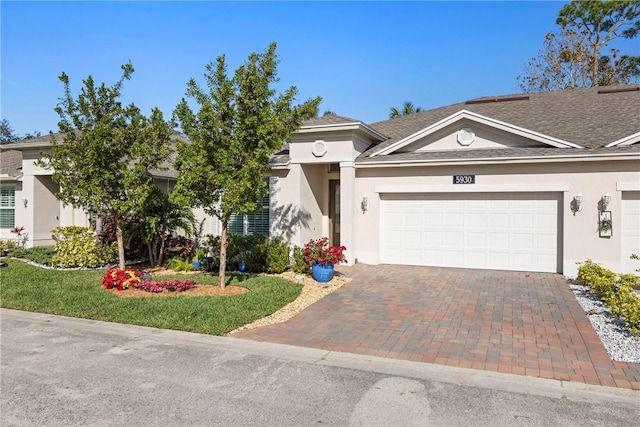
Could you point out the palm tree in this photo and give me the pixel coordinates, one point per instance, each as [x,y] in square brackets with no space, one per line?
[162,216]
[406,109]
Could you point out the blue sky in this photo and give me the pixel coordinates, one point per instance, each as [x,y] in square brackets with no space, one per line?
[361,57]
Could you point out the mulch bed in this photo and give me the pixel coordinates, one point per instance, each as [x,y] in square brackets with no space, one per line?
[197,291]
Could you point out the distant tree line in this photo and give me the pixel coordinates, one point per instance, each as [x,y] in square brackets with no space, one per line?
[8,134]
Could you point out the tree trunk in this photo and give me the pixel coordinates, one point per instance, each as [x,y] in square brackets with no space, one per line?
[151,256]
[223,254]
[120,240]
[161,250]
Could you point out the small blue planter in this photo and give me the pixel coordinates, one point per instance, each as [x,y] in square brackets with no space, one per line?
[242,267]
[322,273]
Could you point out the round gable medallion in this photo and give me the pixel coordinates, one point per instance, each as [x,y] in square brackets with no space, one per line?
[466,136]
[319,148]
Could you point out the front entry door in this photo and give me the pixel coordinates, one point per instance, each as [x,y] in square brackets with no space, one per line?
[334,212]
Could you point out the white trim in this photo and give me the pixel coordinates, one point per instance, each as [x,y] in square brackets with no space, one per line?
[627,140]
[628,186]
[493,160]
[473,188]
[342,126]
[478,118]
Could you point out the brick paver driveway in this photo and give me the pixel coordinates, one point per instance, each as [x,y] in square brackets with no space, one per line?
[505,321]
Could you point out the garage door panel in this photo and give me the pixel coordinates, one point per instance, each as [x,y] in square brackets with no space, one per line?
[498,240]
[476,259]
[505,231]
[498,260]
[499,220]
[630,230]
[453,238]
[453,258]
[476,240]
[476,220]
[522,241]
[455,219]
[523,220]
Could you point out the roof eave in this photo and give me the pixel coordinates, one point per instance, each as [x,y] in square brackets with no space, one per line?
[358,126]
[495,160]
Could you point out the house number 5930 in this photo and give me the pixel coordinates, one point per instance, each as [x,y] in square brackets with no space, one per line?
[464,179]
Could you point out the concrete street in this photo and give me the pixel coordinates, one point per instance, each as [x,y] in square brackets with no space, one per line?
[63,371]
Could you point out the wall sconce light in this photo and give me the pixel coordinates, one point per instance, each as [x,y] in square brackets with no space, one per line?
[25,202]
[364,204]
[606,199]
[578,199]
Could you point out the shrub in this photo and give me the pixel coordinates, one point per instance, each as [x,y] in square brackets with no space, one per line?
[249,249]
[319,251]
[180,246]
[39,254]
[277,256]
[300,265]
[5,245]
[179,264]
[77,247]
[616,292]
[120,279]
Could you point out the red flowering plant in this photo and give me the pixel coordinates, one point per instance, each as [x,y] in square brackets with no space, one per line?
[120,279]
[319,251]
[170,285]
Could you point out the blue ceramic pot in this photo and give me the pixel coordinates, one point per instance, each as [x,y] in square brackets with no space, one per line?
[322,273]
[242,267]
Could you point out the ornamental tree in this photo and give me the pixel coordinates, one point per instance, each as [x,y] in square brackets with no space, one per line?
[240,122]
[104,161]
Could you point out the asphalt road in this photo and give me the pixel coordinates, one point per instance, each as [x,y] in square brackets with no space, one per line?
[58,371]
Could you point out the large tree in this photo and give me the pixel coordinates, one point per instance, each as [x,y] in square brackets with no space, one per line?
[406,109]
[241,121]
[104,161]
[575,55]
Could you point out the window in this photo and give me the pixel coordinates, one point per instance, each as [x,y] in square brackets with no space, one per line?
[251,224]
[7,207]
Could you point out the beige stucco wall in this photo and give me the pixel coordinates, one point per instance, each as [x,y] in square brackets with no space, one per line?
[341,146]
[299,203]
[580,237]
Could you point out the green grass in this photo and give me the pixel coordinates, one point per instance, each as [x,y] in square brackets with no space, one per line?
[80,294]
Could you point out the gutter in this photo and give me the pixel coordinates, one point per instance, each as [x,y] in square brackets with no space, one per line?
[493,160]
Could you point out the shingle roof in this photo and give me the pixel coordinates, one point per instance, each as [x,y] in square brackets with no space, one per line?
[591,118]
[10,162]
[329,119]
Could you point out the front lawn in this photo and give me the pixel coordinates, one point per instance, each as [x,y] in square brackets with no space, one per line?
[80,294]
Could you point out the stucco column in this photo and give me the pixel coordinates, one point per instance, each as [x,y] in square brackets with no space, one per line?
[347,208]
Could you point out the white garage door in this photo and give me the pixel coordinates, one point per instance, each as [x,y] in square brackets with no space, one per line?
[480,230]
[630,229]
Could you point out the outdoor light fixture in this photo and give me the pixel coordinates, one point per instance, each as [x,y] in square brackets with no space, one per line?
[606,199]
[578,199]
[364,204]
[25,202]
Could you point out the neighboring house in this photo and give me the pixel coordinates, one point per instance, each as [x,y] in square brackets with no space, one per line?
[27,194]
[491,183]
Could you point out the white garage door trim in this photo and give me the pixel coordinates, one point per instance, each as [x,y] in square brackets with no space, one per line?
[630,230]
[506,231]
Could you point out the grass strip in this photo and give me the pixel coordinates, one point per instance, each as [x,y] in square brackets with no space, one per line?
[79,294]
